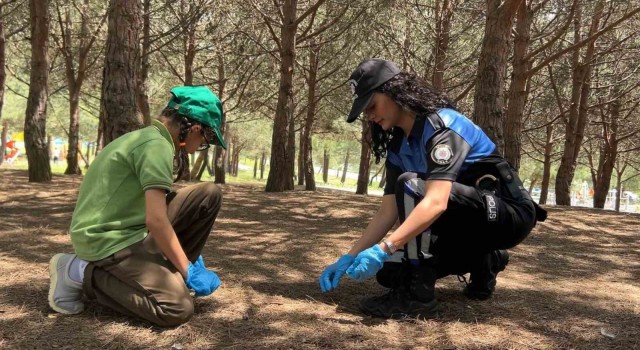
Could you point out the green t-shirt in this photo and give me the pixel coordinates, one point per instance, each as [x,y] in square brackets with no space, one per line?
[110,211]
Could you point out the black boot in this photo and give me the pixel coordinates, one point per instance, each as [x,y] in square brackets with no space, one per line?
[412,298]
[483,275]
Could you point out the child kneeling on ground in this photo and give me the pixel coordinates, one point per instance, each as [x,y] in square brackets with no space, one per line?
[137,243]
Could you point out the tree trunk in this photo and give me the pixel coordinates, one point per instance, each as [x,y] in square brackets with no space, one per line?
[234,161]
[75,73]
[220,152]
[88,155]
[532,182]
[143,87]
[3,140]
[309,174]
[73,168]
[229,153]
[575,125]
[36,113]
[235,155]
[49,145]
[345,167]
[301,148]
[3,78]
[365,159]
[489,94]
[189,53]
[263,159]
[383,179]
[189,56]
[608,152]
[291,154]
[236,166]
[618,193]
[373,178]
[205,162]
[546,168]
[231,147]
[218,167]
[325,166]
[312,84]
[279,176]
[199,165]
[518,88]
[255,167]
[120,70]
[100,136]
[444,15]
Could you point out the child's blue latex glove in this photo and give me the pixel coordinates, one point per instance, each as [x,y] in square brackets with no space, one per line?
[331,275]
[201,280]
[367,263]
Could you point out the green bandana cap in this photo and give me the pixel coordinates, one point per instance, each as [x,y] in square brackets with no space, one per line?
[201,105]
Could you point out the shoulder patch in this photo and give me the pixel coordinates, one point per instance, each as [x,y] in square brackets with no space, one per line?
[442,154]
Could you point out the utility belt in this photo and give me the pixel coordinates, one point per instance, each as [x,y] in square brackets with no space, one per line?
[493,174]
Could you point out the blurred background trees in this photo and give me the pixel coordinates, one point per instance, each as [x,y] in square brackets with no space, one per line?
[553,82]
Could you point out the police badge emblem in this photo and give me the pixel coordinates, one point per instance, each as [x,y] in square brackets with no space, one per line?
[442,154]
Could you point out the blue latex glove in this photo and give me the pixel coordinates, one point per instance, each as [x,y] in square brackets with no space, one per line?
[367,263]
[331,275]
[201,280]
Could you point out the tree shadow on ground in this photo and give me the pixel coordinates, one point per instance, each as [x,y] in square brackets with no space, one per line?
[575,275]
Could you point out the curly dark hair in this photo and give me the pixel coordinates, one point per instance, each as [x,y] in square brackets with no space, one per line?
[411,93]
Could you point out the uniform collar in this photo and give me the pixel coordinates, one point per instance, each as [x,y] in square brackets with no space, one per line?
[418,127]
[164,132]
[398,135]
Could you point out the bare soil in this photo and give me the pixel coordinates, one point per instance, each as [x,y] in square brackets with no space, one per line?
[573,284]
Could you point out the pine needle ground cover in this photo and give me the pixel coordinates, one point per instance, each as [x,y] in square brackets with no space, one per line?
[574,283]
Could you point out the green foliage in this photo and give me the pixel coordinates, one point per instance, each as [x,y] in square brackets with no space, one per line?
[14,109]
[254,135]
[236,53]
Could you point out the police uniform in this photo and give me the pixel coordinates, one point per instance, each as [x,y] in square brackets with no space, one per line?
[488,208]
[487,212]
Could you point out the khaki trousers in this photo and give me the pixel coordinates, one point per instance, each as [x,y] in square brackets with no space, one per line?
[138,281]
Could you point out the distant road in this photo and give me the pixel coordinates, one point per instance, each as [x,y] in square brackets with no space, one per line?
[378,193]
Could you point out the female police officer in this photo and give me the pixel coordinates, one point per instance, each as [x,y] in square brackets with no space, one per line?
[458,202]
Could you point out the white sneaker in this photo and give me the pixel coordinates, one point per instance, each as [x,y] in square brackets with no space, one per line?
[65,295]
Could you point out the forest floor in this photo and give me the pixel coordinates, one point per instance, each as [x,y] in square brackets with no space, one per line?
[573,284]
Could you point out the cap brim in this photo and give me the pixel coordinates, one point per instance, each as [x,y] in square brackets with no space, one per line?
[359,104]
[220,141]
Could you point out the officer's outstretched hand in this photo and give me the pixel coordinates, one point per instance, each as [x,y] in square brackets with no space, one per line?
[200,279]
[367,263]
[331,275]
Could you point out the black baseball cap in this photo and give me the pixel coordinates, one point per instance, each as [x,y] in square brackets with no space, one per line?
[369,75]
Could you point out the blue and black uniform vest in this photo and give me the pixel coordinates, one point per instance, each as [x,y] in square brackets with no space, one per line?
[443,145]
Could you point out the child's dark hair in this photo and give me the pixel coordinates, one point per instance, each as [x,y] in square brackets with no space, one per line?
[411,93]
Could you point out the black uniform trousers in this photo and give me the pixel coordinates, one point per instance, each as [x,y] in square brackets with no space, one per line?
[475,223]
